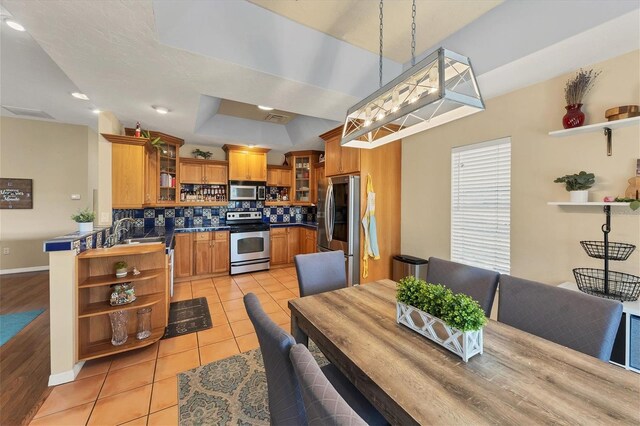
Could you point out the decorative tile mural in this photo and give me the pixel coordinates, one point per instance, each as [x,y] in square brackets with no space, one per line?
[196,216]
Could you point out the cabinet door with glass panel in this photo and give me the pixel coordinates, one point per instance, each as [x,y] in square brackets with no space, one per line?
[304,183]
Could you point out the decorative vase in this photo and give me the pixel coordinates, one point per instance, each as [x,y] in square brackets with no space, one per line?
[84,227]
[121,273]
[144,323]
[579,196]
[119,320]
[574,116]
[465,344]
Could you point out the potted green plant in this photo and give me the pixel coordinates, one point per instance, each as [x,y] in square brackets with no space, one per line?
[85,219]
[203,154]
[455,320]
[121,269]
[578,185]
[156,142]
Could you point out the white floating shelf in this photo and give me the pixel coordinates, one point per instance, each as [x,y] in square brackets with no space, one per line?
[591,203]
[625,122]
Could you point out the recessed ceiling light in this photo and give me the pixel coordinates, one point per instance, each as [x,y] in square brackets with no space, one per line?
[160,109]
[13,24]
[79,95]
[251,145]
[96,111]
[265,108]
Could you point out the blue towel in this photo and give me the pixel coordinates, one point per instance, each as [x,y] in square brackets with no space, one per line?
[11,324]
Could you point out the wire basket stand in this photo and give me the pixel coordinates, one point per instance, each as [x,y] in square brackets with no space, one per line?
[604,282]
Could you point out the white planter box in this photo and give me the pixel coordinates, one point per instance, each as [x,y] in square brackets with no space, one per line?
[465,344]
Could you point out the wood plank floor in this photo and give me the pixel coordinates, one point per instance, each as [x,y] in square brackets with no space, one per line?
[24,360]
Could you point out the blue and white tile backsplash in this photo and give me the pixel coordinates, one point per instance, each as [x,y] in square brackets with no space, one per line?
[195,216]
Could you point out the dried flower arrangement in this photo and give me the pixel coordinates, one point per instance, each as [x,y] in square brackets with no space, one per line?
[578,86]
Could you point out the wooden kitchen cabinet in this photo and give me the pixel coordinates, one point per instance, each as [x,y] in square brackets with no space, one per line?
[279,176]
[304,180]
[285,244]
[183,256]
[127,172]
[339,160]
[246,163]
[96,275]
[318,176]
[211,252]
[203,171]
[308,240]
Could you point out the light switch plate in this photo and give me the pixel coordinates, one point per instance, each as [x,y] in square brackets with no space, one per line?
[75,196]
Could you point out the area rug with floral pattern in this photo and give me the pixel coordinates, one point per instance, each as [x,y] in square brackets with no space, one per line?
[231,391]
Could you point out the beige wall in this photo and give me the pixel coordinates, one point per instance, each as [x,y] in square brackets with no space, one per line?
[107,123]
[55,157]
[544,239]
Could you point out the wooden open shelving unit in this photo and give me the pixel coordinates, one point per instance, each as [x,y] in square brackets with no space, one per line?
[95,278]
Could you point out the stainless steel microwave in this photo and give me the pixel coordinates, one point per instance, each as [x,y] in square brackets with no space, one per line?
[247,191]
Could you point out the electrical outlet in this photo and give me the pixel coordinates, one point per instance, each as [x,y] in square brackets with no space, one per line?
[6,250]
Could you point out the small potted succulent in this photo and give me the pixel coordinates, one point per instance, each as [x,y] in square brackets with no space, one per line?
[85,219]
[578,185]
[121,269]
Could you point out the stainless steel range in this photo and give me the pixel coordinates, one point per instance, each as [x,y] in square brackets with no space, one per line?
[249,242]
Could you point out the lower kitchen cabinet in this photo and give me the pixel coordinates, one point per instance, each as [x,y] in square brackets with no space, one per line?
[288,242]
[210,252]
[183,252]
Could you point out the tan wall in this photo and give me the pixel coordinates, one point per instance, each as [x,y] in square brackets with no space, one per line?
[544,239]
[107,123]
[55,157]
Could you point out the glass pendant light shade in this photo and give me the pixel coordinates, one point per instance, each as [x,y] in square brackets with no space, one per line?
[440,88]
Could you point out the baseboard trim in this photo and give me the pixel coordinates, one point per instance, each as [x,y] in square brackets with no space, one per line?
[66,376]
[21,270]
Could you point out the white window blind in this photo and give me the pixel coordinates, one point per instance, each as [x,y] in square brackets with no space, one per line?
[481,205]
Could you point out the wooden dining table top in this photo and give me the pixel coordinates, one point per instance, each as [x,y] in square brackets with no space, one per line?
[519,379]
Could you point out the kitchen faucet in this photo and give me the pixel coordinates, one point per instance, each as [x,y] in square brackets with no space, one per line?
[114,238]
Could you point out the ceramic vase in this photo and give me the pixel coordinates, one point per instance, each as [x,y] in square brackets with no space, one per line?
[574,116]
[84,227]
[579,196]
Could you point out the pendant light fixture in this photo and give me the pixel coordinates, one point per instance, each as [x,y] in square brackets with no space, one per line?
[440,88]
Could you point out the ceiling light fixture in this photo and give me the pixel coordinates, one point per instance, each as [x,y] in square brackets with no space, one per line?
[79,95]
[438,89]
[13,24]
[160,109]
[96,111]
[265,108]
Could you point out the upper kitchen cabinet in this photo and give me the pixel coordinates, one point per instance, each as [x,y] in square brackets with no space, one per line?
[304,182]
[339,160]
[163,188]
[203,171]
[279,176]
[246,163]
[128,170]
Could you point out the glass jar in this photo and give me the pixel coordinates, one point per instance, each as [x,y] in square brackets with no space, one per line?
[119,320]
[144,323]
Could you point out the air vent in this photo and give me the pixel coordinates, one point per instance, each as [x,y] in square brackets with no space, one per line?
[276,118]
[26,112]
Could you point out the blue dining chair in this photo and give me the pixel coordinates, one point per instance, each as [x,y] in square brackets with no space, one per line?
[285,399]
[478,283]
[323,404]
[320,272]
[574,319]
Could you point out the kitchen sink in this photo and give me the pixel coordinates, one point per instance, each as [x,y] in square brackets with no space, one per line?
[143,240]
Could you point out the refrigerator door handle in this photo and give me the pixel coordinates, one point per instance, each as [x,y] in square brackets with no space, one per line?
[329,214]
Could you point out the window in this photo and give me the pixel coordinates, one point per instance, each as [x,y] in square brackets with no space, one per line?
[481,205]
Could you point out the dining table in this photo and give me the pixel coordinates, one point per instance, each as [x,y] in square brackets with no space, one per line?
[518,379]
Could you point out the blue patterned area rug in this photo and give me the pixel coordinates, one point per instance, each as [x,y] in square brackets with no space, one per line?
[232,391]
[12,324]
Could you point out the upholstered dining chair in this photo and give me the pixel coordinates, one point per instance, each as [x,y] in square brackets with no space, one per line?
[571,318]
[320,272]
[478,283]
[286,406]
[322,403]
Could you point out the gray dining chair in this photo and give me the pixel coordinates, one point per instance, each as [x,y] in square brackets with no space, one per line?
[322,403]
[478,283]
[320,272]
[286,406]
[571,318]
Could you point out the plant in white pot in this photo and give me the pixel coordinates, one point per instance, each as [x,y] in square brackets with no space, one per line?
[578,185]
[121,269]
[85,219]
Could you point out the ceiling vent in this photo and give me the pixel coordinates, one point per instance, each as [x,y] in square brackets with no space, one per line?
[26,112]
[276,118]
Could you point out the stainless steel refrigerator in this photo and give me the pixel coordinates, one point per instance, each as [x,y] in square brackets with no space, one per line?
[339,221]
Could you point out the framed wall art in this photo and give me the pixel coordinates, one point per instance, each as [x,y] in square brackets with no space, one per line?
[16,193]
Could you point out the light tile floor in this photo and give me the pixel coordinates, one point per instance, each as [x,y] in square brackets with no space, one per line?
[140,387]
